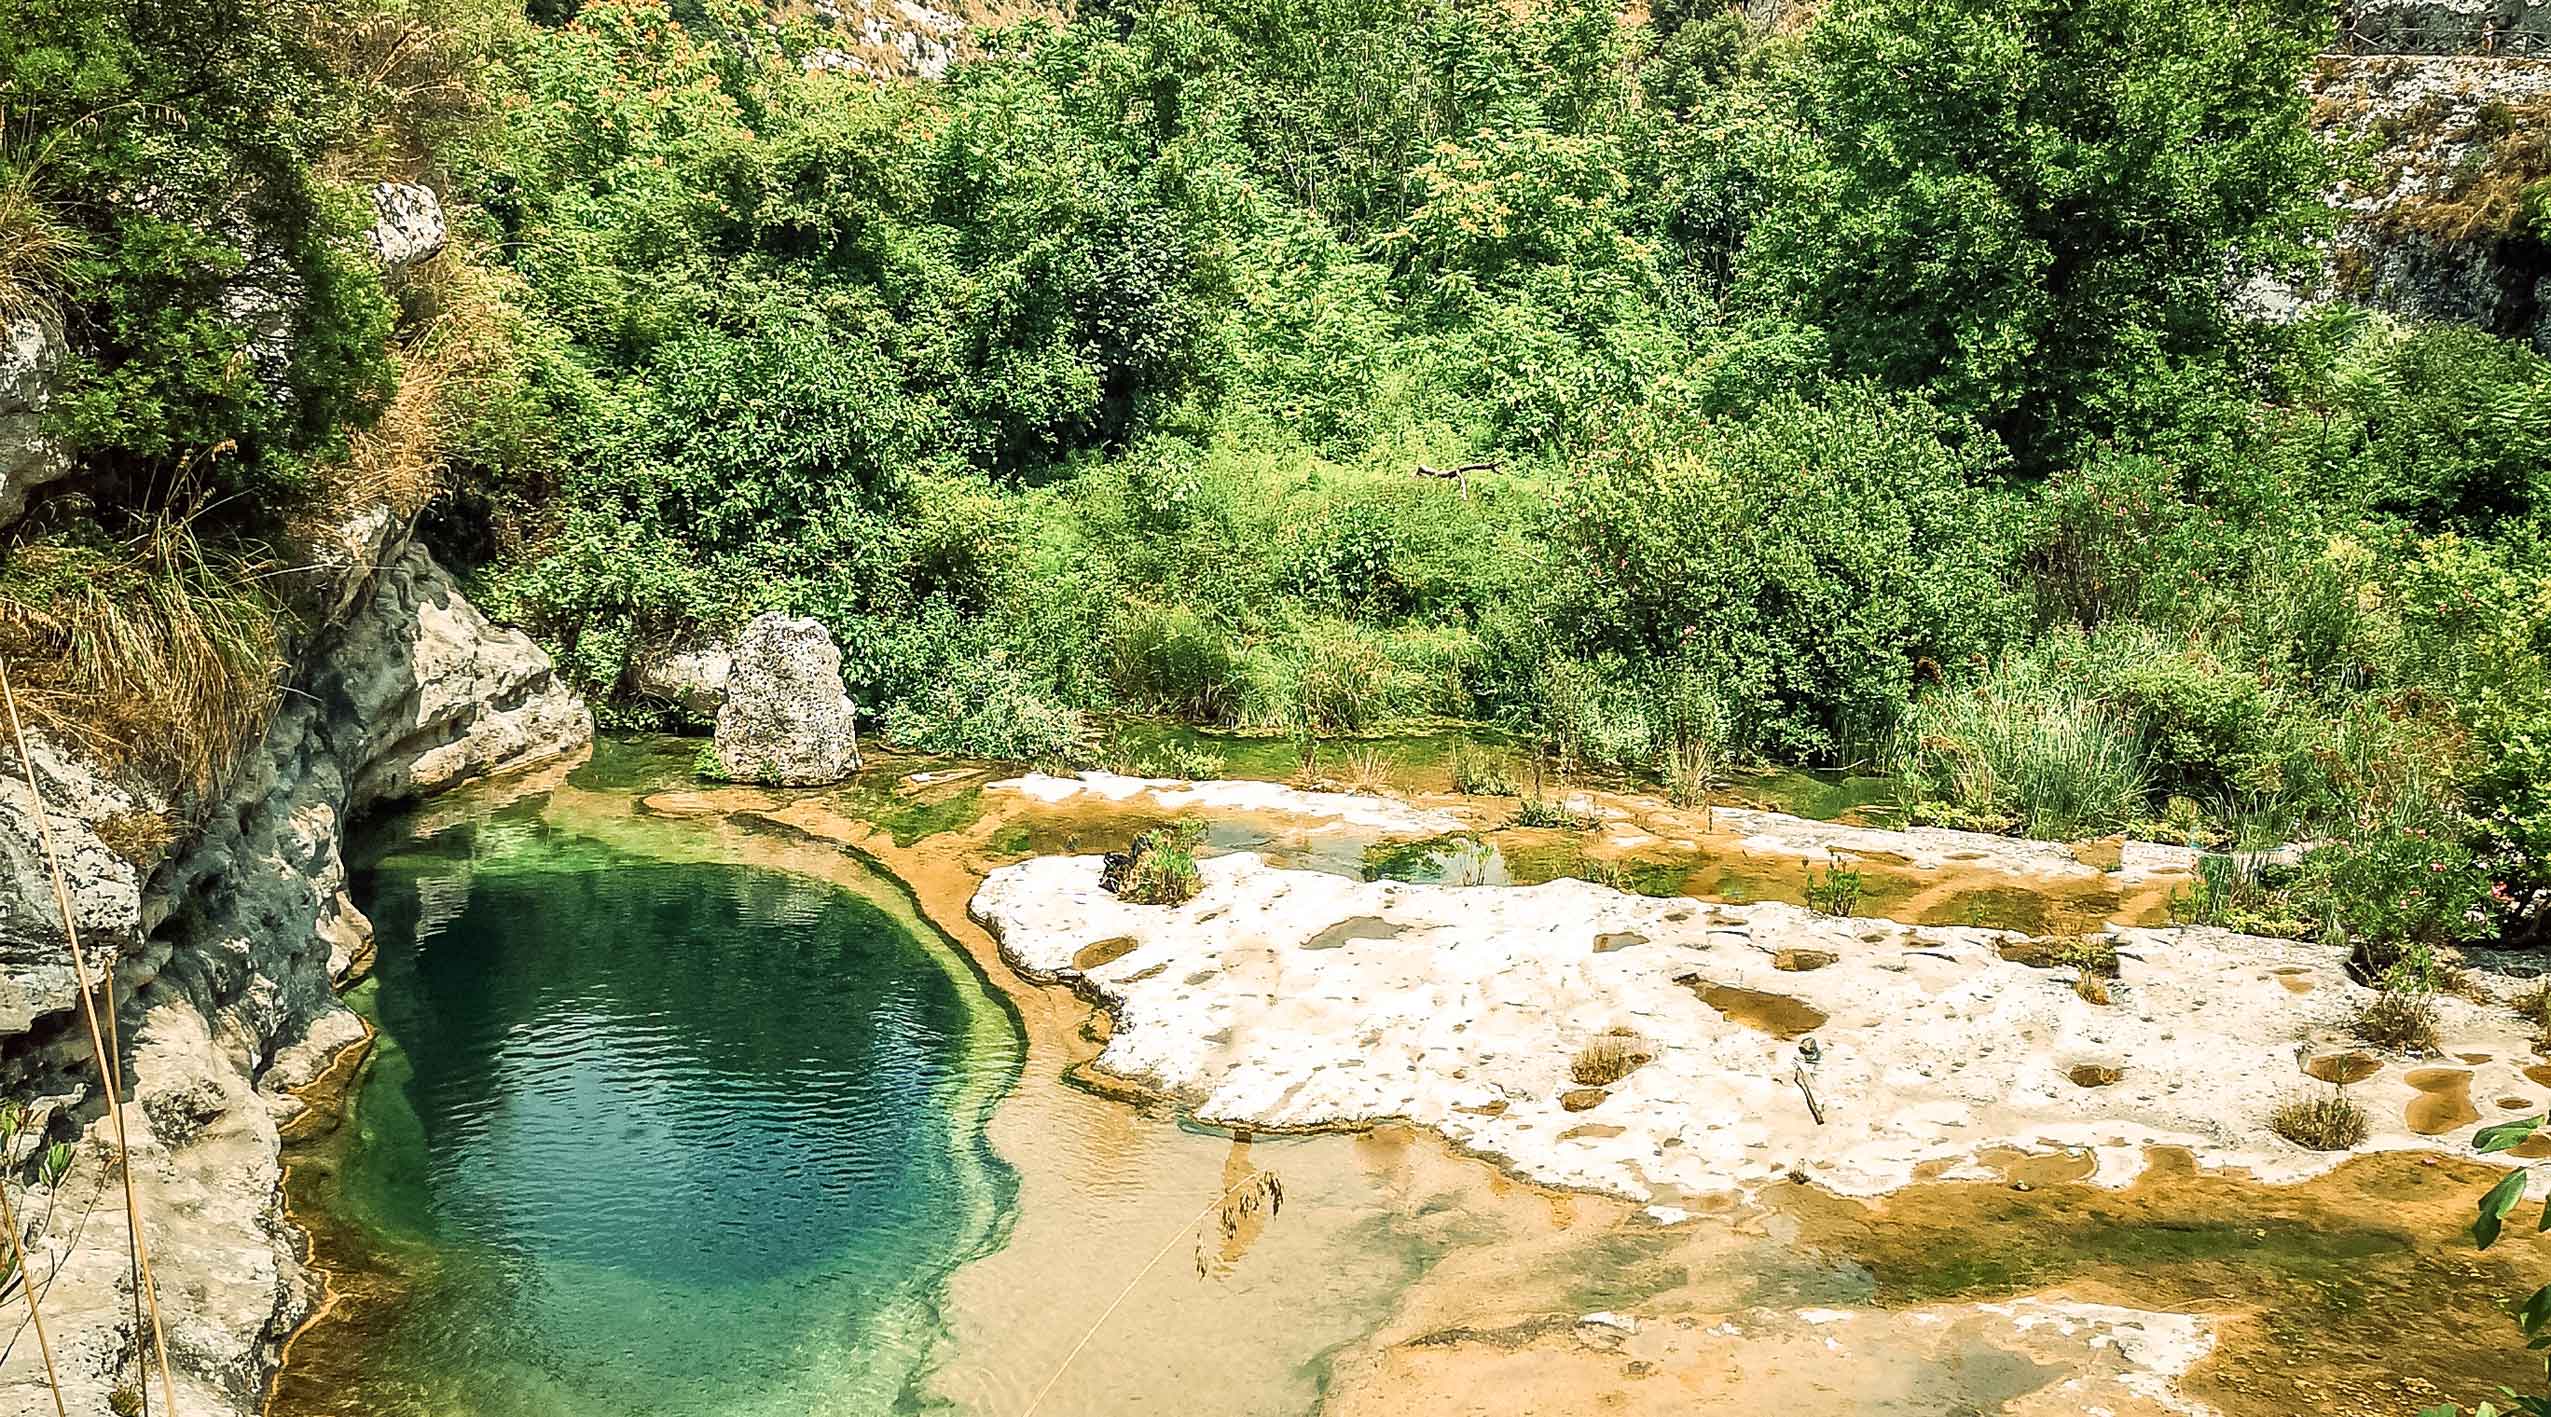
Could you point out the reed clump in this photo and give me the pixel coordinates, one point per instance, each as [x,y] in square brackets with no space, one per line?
[154,653]
[1609,1057]
[2321,1121]
[1158,868]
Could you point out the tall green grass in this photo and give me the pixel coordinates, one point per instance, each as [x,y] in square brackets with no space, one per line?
[2020,749]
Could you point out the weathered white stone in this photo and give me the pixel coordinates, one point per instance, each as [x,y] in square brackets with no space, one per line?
[447,695]
[227,956]
[1298,999]
[30,359]
[787,720]
[690,677]
[409,229]
[2486,28]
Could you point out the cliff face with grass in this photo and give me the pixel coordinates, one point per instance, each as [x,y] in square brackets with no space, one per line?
[2443,115]
[233,347]
[228,939]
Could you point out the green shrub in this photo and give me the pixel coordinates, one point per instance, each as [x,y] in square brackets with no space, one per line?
[1837,892]
[1807,562]
[1477,772]
[224,319]
[1553,814]
[2398,889]
[1159,868]
[2203,727]
[985,709]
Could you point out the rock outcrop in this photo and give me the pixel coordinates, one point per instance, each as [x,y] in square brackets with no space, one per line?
[691,678]
[408,229]
[787,720]
[1659,1049]
[30,354]
[225,956]
[2499,28]
[2434,230]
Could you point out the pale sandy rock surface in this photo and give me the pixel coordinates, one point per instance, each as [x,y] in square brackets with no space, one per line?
[1299,999]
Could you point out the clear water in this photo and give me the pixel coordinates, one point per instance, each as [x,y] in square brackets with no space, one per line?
[655,1136]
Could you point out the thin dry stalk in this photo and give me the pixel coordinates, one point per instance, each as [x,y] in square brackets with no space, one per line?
[35,1315]
[109,1076]
[1256,1183]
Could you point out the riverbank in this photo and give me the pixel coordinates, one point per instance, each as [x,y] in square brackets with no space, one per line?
[1403,1276]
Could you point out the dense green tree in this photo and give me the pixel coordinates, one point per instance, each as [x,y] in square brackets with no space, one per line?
[2031,209]
[160,156]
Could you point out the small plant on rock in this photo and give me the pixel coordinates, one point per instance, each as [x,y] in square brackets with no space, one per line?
[1609,1057]
[1837,892]
[1158,868]
[2322,1121]
[1478,773]
[2402,1013]
[1554,814]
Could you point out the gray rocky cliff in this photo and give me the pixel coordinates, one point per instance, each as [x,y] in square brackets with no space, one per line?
[2429,223]
[226,954]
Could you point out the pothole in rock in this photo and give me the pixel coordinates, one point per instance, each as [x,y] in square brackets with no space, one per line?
[2443,1101]
[1776,1014]
[1796,961]
[1103,952]
[1354,927]
[2095,1074]
[1609,941]
[1583,1099]
[2343,1068]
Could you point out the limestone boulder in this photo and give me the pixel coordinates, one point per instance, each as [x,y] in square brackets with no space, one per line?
[409,227]
[691,678]
[786,719]
[30,360]
[446,695]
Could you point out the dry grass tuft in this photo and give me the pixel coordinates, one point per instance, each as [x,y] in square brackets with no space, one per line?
[2092,989]
[141,838]
[1368,771]
[2533,1005]
[37,247]
[2321,1121]
[153,654]
[1609,1057]
[2397,1018]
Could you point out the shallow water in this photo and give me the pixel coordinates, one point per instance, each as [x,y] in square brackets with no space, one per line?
[651,1136]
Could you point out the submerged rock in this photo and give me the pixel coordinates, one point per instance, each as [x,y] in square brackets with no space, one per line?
[787,720]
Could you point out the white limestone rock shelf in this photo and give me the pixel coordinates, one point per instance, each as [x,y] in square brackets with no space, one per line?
[1319,810]
[1292,999]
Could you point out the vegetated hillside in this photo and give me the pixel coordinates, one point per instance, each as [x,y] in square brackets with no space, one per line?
[1855,390]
